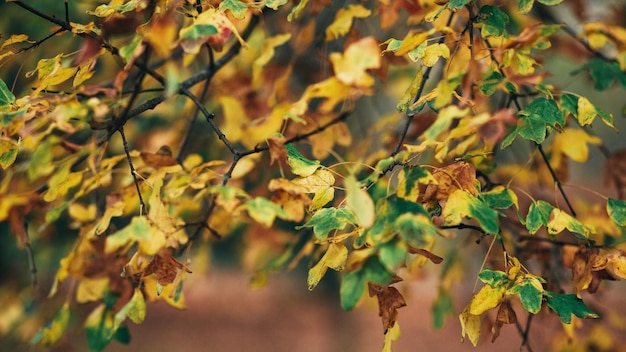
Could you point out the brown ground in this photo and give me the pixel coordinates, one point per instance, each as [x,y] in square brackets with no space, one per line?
[225,315]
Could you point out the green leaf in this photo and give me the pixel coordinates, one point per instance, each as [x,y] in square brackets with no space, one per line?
[525,6]
[569,104]
[392,254]
[236,7]
[441,307]
[264,211]
[198,31]
[130,51]
[493,278]
[353,283]
[329,219]
[8,153]
[546,110]
[533,128]
[388,210]
[550,2]
[567,304]
[275,4]
[300,165]
[494,21]
[99,328]
[52,332]
[457,4]
[603,73]
[122,335]
[538,215]
[530,293]
[500,198]
[489,84]
[617,211]
[416,229]
[462,204]
[6,97]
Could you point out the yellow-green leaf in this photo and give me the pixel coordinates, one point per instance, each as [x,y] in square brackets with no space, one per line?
[470,325]
[487,298]
[53,331]
[359,201]
[8,153]
[433,52]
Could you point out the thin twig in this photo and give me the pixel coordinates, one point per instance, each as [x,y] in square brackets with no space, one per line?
[555,178]
[31,256]
[142,205]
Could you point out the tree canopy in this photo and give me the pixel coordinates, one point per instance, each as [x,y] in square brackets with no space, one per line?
[373,138]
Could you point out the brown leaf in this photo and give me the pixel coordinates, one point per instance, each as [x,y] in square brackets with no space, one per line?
[615,172]
[460,175]
[389,301]
[506,315]
[277,149]
[165,267]
[433,257]
[163,157]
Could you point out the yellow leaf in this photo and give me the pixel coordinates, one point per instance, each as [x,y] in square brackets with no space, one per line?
[321,185]
[351,66]
[234,117]
[14,39]
[166,293]
[137,310]
[434,52]
[82,213]
[343,20]
[161,35]
[487,298]
[259,130]
[560,220]
[573,144]
[619,266]
[157,212]
[335,258]
[359,201]
[410,42]
[116,209]
[470,325]
[332,89]
[90,290]
[393,334]
[266,55]
[62,181]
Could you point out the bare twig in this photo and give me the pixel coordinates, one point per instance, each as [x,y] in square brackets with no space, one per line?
[133,172]
[31,256]
[555,178]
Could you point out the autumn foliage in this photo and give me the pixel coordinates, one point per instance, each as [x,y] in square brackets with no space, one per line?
[366,137]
